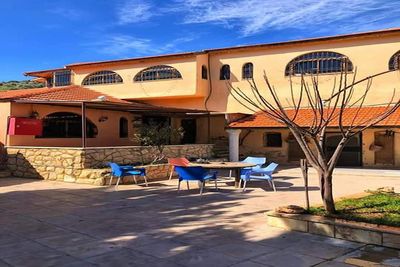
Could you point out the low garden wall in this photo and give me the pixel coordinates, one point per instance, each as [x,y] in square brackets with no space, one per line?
[387,236]
[88,165]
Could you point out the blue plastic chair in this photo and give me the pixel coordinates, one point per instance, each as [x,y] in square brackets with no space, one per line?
[264,174]
[195,173]
[258,161]
[122,171]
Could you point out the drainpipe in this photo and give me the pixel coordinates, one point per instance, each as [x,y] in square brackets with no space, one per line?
[208,98]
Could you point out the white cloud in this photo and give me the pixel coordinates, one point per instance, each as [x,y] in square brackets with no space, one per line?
[66,12]
[253,16]
[133,11]
[129,46]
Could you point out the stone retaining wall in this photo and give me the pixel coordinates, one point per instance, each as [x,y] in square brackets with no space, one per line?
[87,165]
[387,236]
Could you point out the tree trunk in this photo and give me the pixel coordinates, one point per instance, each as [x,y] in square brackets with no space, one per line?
[327,192]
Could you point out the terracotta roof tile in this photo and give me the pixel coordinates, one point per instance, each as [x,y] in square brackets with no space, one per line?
[305,118]
[71,93]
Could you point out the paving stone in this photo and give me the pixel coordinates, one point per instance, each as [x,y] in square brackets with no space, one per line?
[25,260]
[121,257]
[318,249]
[287,259]
[65,240]
[161,228]
[165,248]
[203,258]
[333,264]
[243,250]
[372,256]
[248,264]
[87,250]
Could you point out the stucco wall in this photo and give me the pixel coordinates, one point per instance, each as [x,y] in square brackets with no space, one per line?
[82,165]
[253,145]
[108,131]
[369,54]
[186,86]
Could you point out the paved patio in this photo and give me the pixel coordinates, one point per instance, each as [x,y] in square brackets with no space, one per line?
[59,224]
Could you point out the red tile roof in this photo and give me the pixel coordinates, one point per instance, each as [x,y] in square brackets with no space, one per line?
[305,118]
[71,93]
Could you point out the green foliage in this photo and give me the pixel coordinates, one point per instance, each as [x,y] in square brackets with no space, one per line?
[157,136]
[15,85]
[378,207]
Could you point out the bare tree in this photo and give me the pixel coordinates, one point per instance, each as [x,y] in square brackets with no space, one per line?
[325,113]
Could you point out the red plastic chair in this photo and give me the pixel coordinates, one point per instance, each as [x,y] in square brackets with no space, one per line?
[181,162]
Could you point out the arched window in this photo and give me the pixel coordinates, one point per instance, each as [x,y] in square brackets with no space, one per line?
[247,71]
[159,72]
[394,62]
[319,63]
[225,72]
[123,128]
[102,77]
[204,72]
[66,125]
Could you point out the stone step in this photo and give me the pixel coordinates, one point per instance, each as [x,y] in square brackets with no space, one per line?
[5,174]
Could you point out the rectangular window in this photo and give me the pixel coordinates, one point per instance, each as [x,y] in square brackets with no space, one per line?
[273,140]
[62,78]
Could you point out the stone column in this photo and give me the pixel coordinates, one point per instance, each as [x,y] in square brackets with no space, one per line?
[233,144]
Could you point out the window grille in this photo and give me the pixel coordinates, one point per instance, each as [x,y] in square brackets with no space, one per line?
[62,78]
[102,77]
[247,71]
[319,63]
[394,62]
[66,125]
[159,72]
[225,72]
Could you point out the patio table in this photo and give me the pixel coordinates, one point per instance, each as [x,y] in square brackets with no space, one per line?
[234,166]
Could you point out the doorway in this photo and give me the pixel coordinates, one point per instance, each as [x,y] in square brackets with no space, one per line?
[295,151]
[190,131]
[385,142]
[352,152]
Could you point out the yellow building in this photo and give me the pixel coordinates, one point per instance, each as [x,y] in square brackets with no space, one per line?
[197,82]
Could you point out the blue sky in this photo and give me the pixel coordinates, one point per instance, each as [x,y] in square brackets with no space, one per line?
[41,34]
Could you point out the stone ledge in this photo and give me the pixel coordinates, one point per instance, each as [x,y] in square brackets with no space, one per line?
[387,236]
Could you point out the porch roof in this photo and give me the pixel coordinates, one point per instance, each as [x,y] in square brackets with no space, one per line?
[74,95]
[305,118]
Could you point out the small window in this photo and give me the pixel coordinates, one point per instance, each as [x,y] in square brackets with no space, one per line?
[204,72]
[319,63]
[159,72]
[247,71]
[123,128]
[62,78]
[273,140]
[225,72]
[102,77]
[66,125]
[394,62]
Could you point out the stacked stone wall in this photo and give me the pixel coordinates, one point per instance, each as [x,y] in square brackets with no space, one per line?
[89,165]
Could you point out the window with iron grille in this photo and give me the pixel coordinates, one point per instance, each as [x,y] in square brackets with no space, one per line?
[273,139]
[204,72]
[62,78]
[159,72]
[225,72]
[102,77]
[394,62]
[66,125]
[247,71]
[319,63]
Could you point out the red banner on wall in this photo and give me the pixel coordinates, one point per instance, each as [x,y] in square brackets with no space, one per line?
[24,126]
